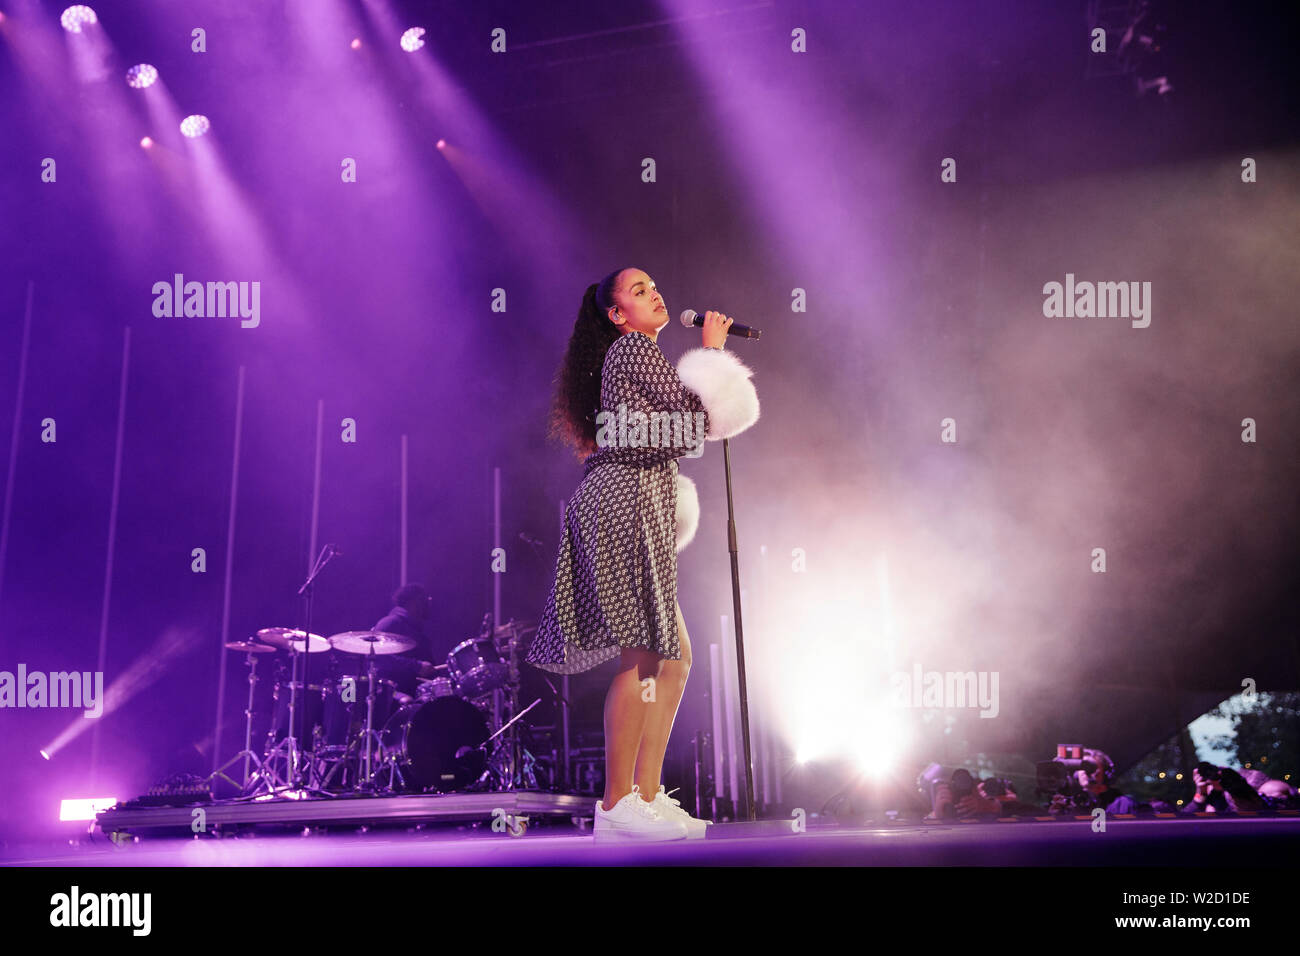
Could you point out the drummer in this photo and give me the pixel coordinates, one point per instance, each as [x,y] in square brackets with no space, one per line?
[412,609]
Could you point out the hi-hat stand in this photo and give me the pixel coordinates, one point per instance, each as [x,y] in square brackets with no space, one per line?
[250,757]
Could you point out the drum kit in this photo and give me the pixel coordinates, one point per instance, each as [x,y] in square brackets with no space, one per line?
[460,732]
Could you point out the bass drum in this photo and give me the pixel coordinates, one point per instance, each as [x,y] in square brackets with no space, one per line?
[436,744]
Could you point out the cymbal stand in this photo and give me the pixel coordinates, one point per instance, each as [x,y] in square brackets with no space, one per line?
[250,757]
[370,735]
[562,773]
[367,769]
[290,748]
[510,762]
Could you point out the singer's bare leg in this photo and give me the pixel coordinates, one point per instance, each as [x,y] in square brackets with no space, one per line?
[660,715]
[625,721]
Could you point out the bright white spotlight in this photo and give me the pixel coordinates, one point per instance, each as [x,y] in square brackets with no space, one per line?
[75,17]
[86,808]
[146,142]
[195,125]
[441,144]
[412,39]
[356,43]
[45,755]
[879,741]
[141,75]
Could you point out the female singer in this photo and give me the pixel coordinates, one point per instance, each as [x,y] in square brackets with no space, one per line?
[615,591]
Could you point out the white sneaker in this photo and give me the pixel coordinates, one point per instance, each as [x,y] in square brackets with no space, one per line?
[672,809]
[634,818]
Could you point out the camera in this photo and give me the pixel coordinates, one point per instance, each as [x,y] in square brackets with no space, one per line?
[1056,778]
[996,787]
[1208,771]
[944,794]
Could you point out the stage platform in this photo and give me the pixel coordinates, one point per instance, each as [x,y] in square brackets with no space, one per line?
[458,830]
[228,816]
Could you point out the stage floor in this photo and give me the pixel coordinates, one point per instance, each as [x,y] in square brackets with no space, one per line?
[1225,842]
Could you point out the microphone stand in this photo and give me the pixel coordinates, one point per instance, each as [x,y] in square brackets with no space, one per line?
[300,782]
[740,640]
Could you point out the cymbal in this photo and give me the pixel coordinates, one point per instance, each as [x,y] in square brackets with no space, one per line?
[250,647]
[368,642]
[517,627]
[291,638]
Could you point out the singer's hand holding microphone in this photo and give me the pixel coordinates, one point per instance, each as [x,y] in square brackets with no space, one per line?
[717,327]
[715,330]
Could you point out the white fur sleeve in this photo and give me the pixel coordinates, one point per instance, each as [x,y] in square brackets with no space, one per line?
[722,382]
[688,511]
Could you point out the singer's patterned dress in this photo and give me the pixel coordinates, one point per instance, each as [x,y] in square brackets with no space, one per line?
[616,575]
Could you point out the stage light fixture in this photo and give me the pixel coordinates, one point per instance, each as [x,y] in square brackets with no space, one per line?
[76,17]
[356,43]
[442,144]
[195,125]
[141,75]
[146,142]
[412,39]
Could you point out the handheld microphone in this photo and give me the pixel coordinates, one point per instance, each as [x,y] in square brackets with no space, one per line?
[693,319]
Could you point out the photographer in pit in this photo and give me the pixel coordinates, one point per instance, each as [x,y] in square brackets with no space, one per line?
[1276,794]
[1222,790]
[964,796]
[1079,781]
[1209,796]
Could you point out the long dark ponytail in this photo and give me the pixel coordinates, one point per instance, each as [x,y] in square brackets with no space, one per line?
[577,383]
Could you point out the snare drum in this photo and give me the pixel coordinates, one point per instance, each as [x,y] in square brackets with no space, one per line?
[476,667]
[435,688]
